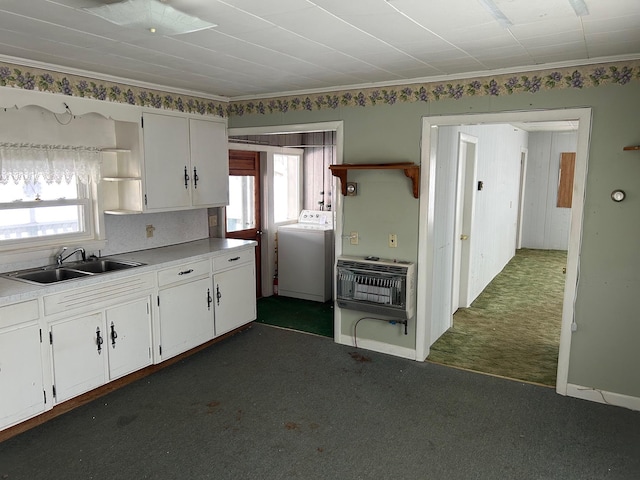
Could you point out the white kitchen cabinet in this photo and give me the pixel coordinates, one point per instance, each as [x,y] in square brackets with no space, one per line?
[81,339]
[186,162]
[77,351]
[185,305]
[209,163]
[21,371]
[89,350]
[128,340]
[234,282]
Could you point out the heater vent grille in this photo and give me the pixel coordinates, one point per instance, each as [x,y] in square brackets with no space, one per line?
[378,286]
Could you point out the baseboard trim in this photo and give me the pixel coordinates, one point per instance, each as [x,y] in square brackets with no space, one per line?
[602,396]
[380,347]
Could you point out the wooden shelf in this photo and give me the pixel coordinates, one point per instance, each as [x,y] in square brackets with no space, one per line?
[632,147]
[115,150]
[122,212]
[120,179]
[411,170]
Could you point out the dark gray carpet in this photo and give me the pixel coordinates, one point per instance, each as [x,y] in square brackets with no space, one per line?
[276,404]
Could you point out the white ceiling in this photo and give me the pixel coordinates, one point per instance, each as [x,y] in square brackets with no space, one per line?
[263,47]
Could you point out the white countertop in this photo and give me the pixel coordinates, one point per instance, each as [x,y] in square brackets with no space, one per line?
[12,291]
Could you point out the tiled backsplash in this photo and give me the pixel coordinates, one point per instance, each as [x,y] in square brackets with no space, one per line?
[127,233]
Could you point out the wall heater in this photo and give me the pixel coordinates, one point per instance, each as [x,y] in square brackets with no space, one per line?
[370,284]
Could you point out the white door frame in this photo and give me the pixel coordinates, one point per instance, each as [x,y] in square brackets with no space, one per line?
[427,273]
[337,200]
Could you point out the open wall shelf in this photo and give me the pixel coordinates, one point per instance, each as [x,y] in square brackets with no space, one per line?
[411,170]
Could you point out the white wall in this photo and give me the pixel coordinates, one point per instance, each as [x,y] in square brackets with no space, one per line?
[546,226]
[493,234]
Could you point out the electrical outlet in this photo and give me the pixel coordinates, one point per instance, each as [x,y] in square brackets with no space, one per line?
[393,240]
[353,238]
[150,229]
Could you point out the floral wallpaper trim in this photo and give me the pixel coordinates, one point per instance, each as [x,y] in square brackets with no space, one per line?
[620,73]
[47,81]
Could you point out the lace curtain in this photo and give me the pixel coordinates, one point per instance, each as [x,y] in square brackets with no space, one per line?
[52,163]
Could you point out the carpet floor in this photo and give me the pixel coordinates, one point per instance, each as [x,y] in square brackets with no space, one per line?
[271,403]
[297,314]
[513,328]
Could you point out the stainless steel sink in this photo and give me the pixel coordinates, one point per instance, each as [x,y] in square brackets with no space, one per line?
[48,276]
[103,265]
[70,271]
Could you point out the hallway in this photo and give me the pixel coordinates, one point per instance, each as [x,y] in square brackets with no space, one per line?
[513,328]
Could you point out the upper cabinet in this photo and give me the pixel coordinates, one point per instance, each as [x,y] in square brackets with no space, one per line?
[185,162]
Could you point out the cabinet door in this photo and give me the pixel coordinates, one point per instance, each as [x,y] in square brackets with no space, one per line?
[235,298]
[128,337]
[78,355]
[210,161]
[186,317]
[166,155]
[21,383]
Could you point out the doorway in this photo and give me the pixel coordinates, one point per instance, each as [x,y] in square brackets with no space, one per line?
[433,314]
[242,215]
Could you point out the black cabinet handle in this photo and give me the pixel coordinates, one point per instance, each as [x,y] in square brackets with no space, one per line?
[195,178]
[218,294]
[99,340]
[186,272]
[186,177]
[114,335]
[209,299]
[233,259]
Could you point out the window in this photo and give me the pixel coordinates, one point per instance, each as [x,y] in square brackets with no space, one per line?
[241,208]
[46,196]
[286,187]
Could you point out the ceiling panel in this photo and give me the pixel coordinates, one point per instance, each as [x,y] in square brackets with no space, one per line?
[612,25]
[264,47]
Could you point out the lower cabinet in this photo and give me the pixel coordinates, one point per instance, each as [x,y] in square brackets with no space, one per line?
[89,350]
[186,316]
[235,298]
[69,342]
[22,393]
[128,340]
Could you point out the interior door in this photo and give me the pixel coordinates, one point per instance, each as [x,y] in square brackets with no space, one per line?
[464,211]
[242,215]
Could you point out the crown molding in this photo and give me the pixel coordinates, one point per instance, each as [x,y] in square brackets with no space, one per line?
[109,78]
[441,78]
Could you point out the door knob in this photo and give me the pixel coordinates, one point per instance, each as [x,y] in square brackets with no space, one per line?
[464,237]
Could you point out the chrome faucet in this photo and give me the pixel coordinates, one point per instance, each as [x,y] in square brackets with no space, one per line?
[60,258]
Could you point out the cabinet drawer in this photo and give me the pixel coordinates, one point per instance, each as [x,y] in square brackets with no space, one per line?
[183,272]
[18,313]
[233,259]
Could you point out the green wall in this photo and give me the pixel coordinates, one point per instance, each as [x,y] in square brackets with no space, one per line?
[605,350]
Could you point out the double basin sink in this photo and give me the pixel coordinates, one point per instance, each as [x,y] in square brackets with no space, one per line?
[69,271]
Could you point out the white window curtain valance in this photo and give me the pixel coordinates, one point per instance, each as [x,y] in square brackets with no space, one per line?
[52,163]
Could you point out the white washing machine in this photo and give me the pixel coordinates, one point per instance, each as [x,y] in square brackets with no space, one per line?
[305,257]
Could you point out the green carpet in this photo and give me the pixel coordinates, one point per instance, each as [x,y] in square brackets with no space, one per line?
[513,328]
[296,314]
